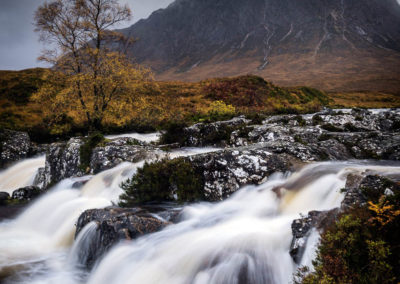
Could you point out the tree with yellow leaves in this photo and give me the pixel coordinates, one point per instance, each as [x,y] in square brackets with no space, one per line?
[385,212]
[90,72]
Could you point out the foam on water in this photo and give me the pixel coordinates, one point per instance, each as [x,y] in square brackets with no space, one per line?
[149,137]
[244,239]
[20,174]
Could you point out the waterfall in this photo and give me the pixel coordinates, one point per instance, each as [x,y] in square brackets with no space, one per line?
[20,174]
[148,138]
[244,239]
[83,244]
[48,225]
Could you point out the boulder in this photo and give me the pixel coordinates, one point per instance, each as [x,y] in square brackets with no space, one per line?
[302,228]
[374,186]
[353,195]
[225,172]
[367,186]
[212,134]
[26,193]
[38,149]
[14,145]
[118,151]
[329,136]
[62,161]
[4,197]
[358,134]
[114,225]
[41,180]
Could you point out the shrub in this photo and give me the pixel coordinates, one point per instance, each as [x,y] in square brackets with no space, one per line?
[317,119]
[363,245]
[300,120]
[222,133]
[91,142]
[18,86]
[164,180]
[311,93]
[256,118]
[242,91]
[220,111]
[174,133]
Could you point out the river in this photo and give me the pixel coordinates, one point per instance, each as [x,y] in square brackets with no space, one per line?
[244,239]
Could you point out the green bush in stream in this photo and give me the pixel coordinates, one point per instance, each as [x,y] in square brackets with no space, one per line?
[164,180]
[363,245]
[91,142]
[174,133]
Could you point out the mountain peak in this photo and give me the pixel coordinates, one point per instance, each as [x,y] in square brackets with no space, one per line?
[288,41]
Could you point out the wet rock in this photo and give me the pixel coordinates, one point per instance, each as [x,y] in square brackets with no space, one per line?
[26,193]
[353,195]
[4,197]
[333,150]
[38,149]
[300,142]
[302,228]
[14,145]
[79,184]
[114,225]
[40,178]
[62,161]
[224,172]
[116,152]
[212,134]
[373,187]
[367,186]
[357,135]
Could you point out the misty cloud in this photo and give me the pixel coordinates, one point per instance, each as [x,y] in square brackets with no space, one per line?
[19,45]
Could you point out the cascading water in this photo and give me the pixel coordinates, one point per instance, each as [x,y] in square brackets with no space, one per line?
[21,174]
[48,225]
[150,137]
[244,239]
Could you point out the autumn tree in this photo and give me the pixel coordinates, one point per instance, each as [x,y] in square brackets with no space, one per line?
[90,71]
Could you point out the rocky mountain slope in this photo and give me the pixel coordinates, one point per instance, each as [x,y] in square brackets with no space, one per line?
[330,44]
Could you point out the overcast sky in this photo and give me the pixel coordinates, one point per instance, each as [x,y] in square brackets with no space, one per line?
[19,46]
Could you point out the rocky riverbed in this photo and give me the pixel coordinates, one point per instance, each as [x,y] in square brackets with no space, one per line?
[248,153]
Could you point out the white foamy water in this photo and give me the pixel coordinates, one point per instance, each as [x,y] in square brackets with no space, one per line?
[191,151]
[20,174]
[244,239]
[148,137]
[47,227]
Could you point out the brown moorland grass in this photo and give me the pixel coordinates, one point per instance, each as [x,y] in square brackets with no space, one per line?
[164,102]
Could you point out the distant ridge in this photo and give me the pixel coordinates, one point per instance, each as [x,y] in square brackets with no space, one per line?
[340,45]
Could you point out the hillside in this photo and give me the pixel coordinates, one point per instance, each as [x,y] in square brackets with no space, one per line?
[347,45]
[164,102]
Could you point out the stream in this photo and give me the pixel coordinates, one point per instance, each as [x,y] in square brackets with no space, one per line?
[244,239]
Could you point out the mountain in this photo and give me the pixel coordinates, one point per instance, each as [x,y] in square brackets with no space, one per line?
[341,45]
